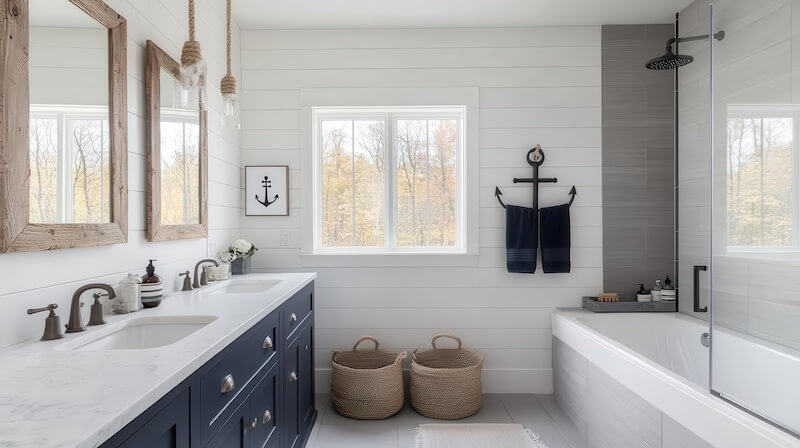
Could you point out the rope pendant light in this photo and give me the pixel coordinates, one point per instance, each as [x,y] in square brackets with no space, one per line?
[193,69]
[230,106]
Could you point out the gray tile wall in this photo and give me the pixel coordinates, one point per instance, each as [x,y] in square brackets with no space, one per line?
[638,121]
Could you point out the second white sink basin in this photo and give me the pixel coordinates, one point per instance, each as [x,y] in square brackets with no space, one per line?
[140,333]
[246,287]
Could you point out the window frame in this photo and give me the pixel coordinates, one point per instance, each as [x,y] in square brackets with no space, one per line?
[390,116]
[762,111]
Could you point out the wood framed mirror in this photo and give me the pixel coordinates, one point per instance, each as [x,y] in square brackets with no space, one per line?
[63,125]
[177,155]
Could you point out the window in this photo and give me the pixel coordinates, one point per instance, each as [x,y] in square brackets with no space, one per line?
[69,159]
[389,180]
[762,195]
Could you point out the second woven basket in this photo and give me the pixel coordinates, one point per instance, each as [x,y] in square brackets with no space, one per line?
[446,382]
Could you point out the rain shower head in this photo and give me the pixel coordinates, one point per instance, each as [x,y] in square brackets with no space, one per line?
[671,60]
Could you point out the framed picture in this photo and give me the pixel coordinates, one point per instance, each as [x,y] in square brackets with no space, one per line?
[266,190]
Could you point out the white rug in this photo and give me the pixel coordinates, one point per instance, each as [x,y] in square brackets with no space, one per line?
[476,435]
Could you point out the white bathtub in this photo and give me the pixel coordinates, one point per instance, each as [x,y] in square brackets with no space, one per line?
[660,358]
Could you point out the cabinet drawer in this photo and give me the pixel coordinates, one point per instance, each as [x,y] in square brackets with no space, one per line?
[297,309]
[223,381]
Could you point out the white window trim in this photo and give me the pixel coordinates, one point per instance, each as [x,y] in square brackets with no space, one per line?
[371,99]
[769,111]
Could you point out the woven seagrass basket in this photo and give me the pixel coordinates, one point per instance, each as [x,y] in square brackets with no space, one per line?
[367,384]
[446,382]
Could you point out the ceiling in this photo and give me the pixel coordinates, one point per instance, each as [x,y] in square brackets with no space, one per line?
[283,14]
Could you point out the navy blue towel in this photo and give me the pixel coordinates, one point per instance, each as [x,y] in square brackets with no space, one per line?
[555,239]
[522,235]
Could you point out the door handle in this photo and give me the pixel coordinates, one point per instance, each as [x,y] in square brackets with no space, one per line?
[697,269]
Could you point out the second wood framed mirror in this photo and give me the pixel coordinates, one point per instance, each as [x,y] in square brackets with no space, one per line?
[177,155]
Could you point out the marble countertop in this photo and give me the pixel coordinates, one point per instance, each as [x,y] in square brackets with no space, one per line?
[52,397]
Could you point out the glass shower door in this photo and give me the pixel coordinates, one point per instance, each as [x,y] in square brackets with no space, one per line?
[755,207]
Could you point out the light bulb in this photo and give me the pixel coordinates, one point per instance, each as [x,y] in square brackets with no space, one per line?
[230,111]
[193,85]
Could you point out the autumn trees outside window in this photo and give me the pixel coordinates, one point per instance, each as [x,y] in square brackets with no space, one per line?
[69,159]
[762,179]
[389,180]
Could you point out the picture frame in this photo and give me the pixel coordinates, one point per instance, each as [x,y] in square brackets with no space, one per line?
[266,190]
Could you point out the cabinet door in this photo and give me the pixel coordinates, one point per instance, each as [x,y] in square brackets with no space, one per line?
[235,433]
[290,418]
[306,379]
[167,429]
[264,402]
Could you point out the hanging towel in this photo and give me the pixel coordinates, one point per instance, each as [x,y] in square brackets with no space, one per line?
[522,235]
[555,239]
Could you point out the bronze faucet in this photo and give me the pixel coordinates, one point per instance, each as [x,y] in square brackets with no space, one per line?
[197,283]
[75,323]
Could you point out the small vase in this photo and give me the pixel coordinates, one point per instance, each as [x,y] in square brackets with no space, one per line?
[240,266]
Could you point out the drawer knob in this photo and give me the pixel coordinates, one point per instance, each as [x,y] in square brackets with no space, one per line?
[254,423]
[267,342]
[267,417]
[293,318]
[292,377]
[227,384]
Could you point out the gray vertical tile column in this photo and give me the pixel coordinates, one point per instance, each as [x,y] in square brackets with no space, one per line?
[638,122]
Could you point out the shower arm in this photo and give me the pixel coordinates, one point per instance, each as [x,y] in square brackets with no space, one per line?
[718,36]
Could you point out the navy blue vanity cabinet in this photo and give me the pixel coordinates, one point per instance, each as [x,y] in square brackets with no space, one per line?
[258,392]
[290,421]
[264,407]
[307,409]
[169,428]
[234,433]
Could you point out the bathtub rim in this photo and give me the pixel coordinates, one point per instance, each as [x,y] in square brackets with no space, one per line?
[682,400]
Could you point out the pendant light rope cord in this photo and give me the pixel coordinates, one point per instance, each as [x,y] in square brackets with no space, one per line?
[228,83]
[191,52]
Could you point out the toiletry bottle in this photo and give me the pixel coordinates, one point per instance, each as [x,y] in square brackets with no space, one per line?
[642,295]
[668,293]
[128,299]
[655,293]
[151,288]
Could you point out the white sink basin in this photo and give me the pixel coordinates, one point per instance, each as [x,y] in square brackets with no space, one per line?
[246,287]
[140,333]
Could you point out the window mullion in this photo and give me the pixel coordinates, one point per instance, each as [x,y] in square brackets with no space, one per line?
[796,181]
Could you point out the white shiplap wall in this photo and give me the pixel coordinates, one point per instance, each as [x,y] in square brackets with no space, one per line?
[39,278]
[536,85]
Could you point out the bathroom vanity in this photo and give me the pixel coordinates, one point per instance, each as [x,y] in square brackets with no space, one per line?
[228,365]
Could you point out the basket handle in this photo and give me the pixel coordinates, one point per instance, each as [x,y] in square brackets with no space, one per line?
[444,335]
[367,338]
[401,355]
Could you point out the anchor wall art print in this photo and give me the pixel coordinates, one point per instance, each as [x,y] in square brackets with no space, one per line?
[266,190]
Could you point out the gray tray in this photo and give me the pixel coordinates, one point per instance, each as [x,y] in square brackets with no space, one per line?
[591,304]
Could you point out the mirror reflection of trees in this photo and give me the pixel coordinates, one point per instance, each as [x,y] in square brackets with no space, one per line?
[760,191]
[180,170]
[354,176]
[69,166]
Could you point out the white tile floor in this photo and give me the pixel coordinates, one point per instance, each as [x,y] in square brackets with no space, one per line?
[532,411]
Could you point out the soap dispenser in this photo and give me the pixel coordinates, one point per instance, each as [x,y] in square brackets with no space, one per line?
[642,295]
[128,300]
[668,293]
[151,288]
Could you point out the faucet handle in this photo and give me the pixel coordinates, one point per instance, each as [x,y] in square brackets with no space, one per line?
[96,311]
[187,281]
[52,324]
[50,308]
